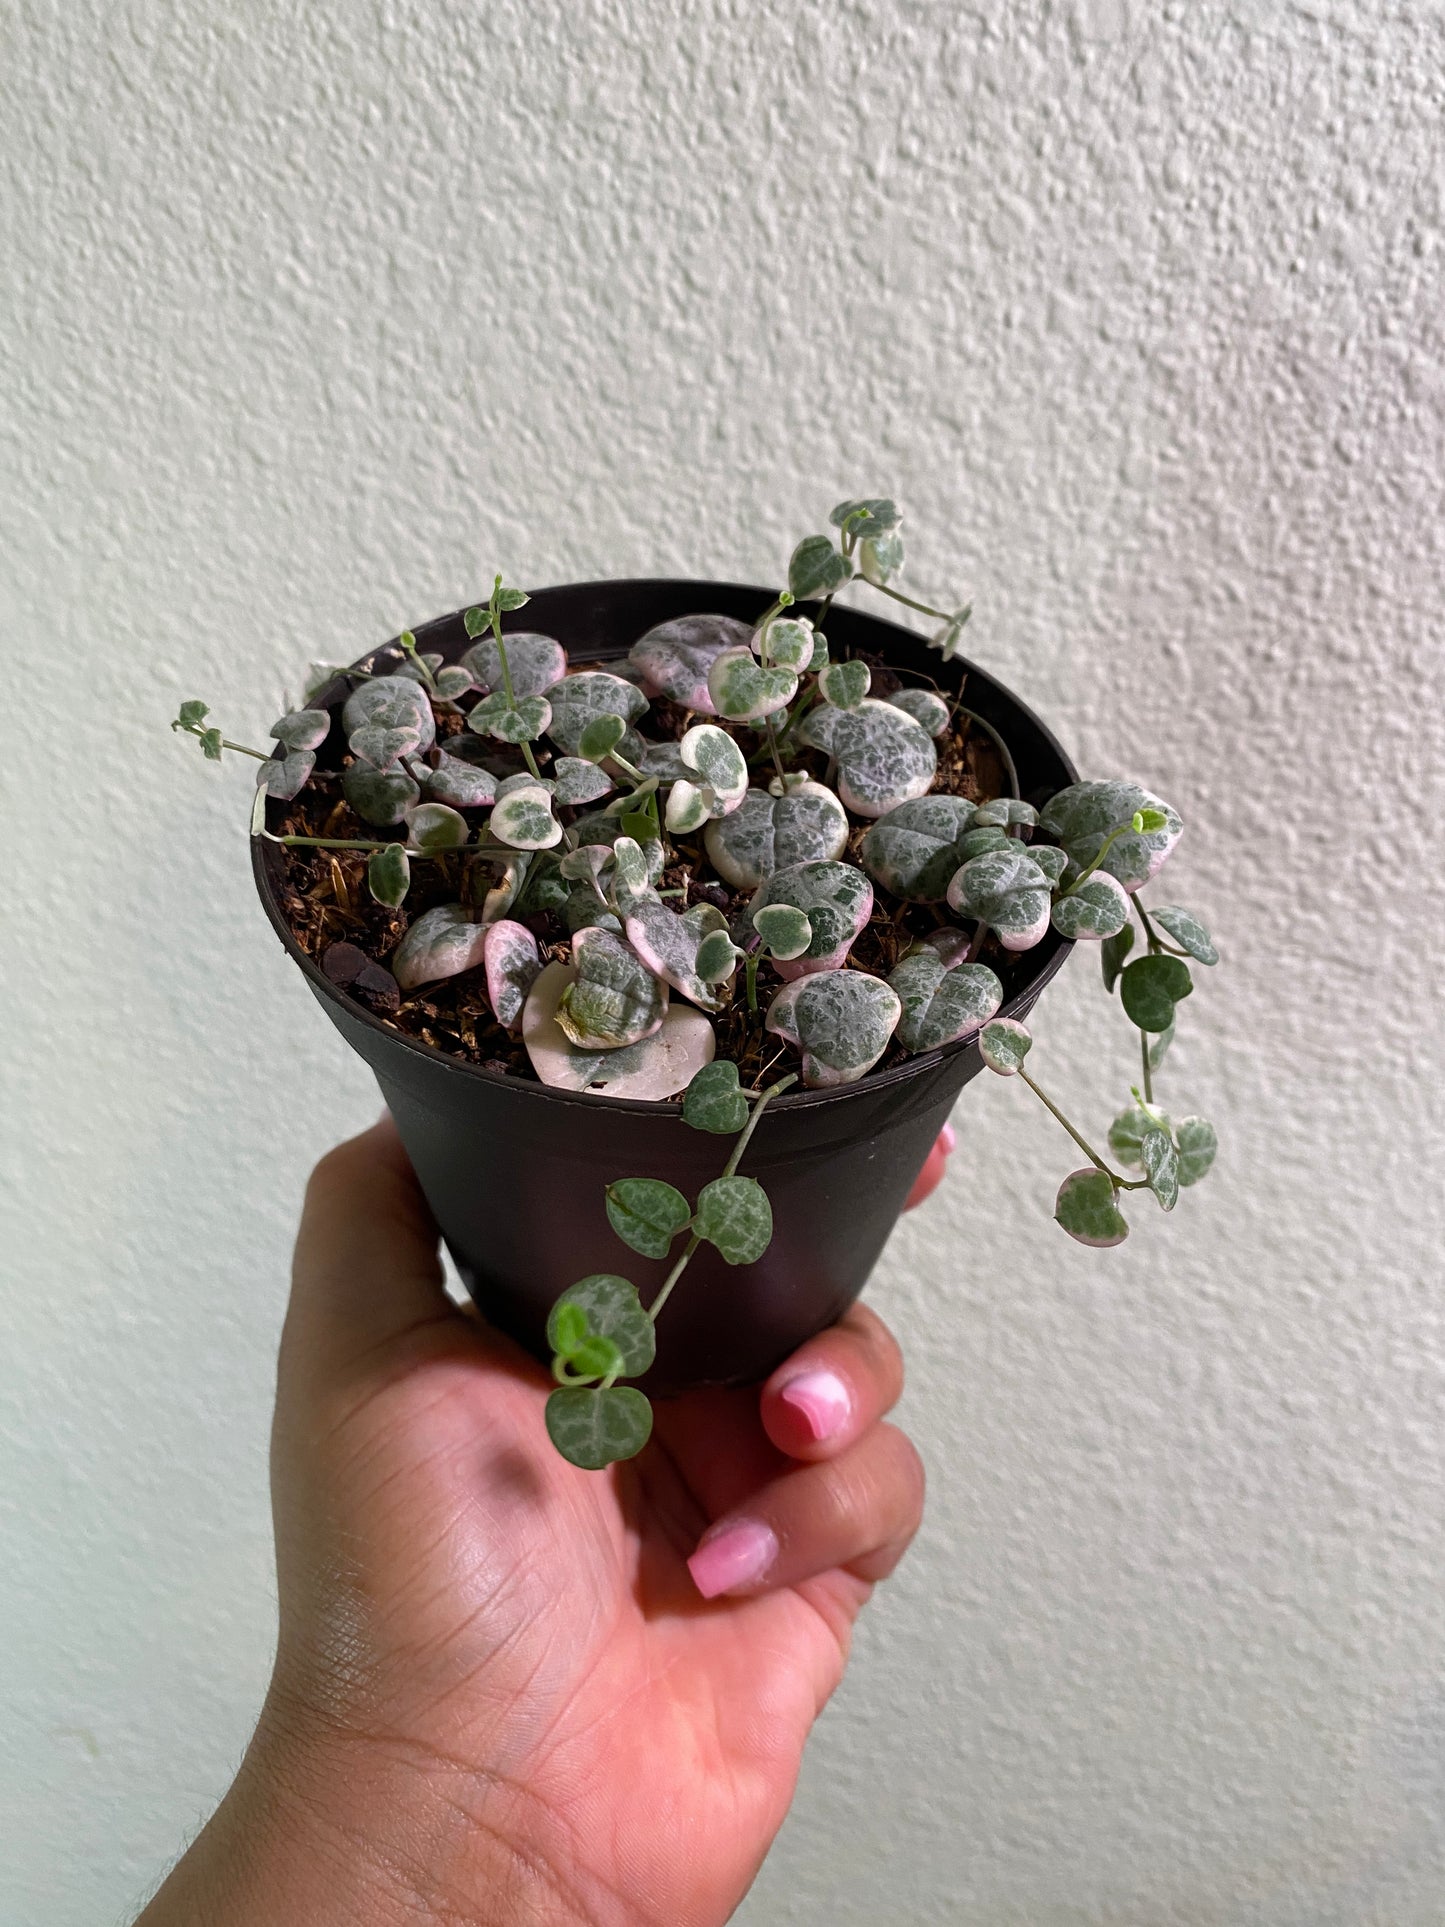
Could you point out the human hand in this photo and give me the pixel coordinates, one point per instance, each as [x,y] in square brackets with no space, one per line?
[508,1690]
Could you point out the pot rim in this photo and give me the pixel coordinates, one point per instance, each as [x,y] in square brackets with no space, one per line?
[796,1100]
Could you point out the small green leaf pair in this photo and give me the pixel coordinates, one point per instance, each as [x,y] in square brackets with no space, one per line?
[599,1330]
[732,1213]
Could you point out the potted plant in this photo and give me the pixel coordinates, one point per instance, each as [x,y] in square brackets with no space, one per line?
[673,916]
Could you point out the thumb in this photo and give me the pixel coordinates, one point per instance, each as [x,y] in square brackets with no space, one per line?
[366,1270]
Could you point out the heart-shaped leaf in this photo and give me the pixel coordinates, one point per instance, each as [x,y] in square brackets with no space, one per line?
[1096,908]
[866,516]
[603,831]
[435,826]
[284,777]
[914,851]
[880,557]
[941,1006]
[947,639]
[505,600]
[816,569]
[389,702]
[787,644]
[668,945]
[1128,1132]
[1051,861]
[1161,1166]
[841,1020]
[717,957]
[300,728]
[579,781]
[615,999]
[734,1214]
[647,1214]
[676,656]
[743,691]
[536,662]
[522,721]
[579,699]
[717,760]
[767,833]
[441,943]
[379,796]
[592,1428]
[658,1067]
[982,838]
[930,712]
[610,1308]
[1082,816]
[523,819]
[1150,987]
[513,965]
[1003,1044]
[1114,954]
[845,684]
[600,737]
[714,1101]
[1088,1209]
[388,875]
[194,712]
[1187,931]
[786,932]
[883,757]
[1008,891]
[453,683]
[381,747]
[836,899]
[1004,810]
[465,786]
[631,874]
[1197,1147]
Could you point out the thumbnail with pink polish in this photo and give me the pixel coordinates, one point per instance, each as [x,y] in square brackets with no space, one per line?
[736,1556]
[821,1399]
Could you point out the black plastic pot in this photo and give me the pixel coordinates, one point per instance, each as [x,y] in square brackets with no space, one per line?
[514,1171]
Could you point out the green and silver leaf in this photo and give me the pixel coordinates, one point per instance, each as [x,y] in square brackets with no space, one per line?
[593,1428]
[734,1215]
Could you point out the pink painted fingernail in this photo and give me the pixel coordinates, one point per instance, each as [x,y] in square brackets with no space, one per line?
[821,1400]
[736,1556]
[948,1138]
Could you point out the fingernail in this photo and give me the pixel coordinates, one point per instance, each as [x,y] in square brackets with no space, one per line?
[821,1400]
[736,1556]
[948,1138]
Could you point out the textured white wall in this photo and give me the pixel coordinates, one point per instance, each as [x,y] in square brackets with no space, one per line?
[313,317]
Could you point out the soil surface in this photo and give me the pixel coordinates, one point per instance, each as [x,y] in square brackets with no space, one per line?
[334,918]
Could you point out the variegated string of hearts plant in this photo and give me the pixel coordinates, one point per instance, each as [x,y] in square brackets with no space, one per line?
[773,761]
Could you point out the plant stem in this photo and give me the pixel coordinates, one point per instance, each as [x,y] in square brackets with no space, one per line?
[977,944]
[923,608]
[1103,850]
[773,748]
[754,959]
[1148,1074]
[511,693]
[1088,1150]
[259,754]
[729,1170]
[361,843]
[408,643]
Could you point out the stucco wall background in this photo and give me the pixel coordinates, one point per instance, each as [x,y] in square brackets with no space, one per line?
[313,319]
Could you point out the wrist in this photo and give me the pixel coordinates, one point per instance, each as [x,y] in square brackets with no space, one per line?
[346,1831]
